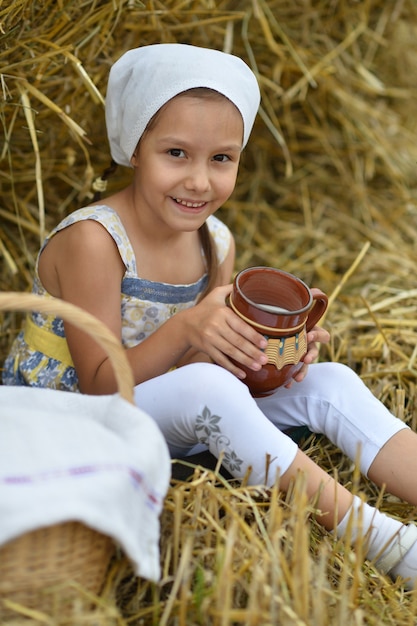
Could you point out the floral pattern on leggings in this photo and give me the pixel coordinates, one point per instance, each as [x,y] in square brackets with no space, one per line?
[208,430]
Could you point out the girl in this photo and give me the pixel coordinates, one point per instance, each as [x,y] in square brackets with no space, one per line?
[155,265]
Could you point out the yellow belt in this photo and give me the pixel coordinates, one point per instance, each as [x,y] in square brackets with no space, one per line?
[41,340]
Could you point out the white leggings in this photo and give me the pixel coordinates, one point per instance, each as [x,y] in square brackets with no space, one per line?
[205,404]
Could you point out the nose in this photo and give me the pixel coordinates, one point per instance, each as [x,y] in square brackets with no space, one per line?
[198,178]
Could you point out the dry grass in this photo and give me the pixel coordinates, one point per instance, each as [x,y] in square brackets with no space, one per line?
[327,190]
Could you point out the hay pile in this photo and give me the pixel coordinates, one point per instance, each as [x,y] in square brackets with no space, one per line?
[327,190]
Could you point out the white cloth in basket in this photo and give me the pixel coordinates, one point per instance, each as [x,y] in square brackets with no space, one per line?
[94,459]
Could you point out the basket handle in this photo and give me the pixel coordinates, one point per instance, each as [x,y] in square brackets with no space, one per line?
[11,300]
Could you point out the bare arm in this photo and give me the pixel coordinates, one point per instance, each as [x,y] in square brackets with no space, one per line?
[82,265]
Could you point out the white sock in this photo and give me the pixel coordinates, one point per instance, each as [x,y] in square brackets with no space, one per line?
[390,543]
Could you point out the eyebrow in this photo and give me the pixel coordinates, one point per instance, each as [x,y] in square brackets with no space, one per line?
[176,141]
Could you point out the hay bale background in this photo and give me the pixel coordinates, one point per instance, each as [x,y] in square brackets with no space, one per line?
[327,189]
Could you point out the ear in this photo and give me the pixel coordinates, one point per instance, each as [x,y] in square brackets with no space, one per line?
[134,159]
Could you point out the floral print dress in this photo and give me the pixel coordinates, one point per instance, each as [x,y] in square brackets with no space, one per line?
[40,357]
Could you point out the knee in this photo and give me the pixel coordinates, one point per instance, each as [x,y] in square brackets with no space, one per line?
[330,376]
[207,378]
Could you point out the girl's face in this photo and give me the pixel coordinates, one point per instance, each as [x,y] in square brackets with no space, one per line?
[186,163]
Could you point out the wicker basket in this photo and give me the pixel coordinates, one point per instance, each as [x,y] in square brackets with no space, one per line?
[52,569]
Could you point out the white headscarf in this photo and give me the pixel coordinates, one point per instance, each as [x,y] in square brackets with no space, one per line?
[145,78]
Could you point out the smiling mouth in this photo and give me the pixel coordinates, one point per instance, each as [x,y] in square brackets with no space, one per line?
[189,205]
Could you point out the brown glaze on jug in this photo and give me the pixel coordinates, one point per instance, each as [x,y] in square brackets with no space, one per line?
[281,307]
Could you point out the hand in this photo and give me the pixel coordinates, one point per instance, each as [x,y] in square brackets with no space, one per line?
[315,336]
[213,328]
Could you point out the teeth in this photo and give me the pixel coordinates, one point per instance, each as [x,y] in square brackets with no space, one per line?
[190,205]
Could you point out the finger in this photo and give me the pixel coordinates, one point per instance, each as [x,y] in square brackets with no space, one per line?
[311,354]
[245,330]
[223,291]
[301,374]
[234,346]
[237,340]
[221,359]
[318,334]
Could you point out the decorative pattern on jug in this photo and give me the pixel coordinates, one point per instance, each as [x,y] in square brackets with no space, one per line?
[286,350]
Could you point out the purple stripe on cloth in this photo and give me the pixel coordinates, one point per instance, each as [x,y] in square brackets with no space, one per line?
[82,471]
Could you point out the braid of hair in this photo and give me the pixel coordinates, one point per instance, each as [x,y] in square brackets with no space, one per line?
[100,184]
[209,250]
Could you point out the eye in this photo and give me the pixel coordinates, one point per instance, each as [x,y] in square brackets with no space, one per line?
[221,158]
[176,152]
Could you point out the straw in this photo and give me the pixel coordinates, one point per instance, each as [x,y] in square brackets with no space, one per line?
[327,190]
